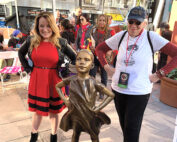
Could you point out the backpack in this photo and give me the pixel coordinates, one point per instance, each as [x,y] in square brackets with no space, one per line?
[149,39]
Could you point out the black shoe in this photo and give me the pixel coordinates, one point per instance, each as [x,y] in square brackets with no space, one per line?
[53,138]
[34,137]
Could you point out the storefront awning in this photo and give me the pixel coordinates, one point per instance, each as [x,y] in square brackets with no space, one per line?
[6,1]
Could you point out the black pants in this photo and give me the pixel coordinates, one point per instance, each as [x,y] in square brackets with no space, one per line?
[93,71]
[130,109]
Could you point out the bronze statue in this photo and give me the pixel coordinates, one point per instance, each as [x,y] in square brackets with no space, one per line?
[83,115]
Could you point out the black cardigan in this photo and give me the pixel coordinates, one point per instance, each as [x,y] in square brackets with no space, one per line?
[66,50]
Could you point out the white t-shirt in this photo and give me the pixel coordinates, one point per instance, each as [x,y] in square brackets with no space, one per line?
[140,62]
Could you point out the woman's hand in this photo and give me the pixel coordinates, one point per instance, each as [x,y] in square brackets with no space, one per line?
[110,70]
[153,78]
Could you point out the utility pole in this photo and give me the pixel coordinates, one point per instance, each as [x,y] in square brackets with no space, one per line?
[103,7]
[16,9]
[158,13]
[80,3]
[54,8]
[134,3]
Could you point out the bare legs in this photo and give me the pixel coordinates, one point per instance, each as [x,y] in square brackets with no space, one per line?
[54,122]
[36,121]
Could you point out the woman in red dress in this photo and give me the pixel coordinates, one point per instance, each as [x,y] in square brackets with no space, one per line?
[46,50]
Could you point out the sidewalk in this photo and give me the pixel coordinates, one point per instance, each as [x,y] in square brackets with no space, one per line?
[15,120]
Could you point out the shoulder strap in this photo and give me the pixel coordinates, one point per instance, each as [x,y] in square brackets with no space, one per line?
[149,39]
[121,39]
[115,59]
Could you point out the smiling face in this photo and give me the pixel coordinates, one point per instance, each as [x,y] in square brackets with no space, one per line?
[45,30]
[84,62]
[102,22]
[134,29]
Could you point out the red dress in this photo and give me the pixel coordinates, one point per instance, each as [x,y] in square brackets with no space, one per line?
[42,95]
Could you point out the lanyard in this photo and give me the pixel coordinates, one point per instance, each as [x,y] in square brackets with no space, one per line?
[128,56]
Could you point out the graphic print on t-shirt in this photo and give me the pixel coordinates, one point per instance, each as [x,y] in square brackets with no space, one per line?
[130,53]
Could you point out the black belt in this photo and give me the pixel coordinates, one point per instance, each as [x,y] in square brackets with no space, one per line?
[44,67]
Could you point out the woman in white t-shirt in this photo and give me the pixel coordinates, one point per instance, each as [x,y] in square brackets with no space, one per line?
[132,77]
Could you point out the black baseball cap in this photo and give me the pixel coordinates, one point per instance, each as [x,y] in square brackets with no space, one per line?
[138,13]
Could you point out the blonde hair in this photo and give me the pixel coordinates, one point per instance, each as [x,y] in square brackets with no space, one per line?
[106,26]
[55,31]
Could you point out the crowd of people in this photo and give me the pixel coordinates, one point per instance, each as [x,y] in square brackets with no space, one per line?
[52,40]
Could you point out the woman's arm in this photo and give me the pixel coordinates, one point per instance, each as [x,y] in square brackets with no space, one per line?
[22,53]
[171,50]
[68,50]
[101,51]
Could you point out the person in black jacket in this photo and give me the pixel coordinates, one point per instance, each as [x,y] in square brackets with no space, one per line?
[67,31]
[46,50]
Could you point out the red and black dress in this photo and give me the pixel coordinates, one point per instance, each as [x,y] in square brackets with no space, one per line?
[42,95]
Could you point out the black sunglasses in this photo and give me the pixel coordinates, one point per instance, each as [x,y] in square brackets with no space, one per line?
[134,22]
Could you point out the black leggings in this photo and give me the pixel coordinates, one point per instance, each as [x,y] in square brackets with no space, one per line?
[130,109]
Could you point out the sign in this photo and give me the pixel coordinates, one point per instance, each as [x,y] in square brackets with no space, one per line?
[116,17]
[33,12]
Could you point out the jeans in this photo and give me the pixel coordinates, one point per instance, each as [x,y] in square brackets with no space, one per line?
[130,109]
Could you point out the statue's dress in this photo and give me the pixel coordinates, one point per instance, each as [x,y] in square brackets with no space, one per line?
[82,96]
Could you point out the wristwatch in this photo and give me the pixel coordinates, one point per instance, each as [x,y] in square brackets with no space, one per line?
[162,73]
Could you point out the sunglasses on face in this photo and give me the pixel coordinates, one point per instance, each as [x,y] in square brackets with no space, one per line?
[134,22]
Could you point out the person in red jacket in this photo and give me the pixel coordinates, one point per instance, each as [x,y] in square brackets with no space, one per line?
[83,34]
[100,33]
